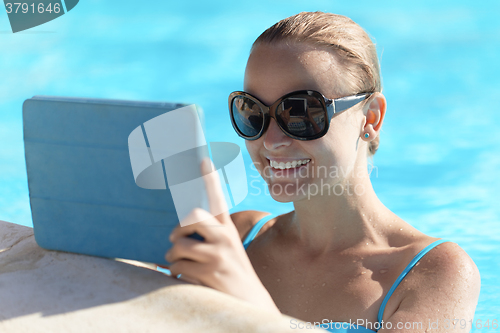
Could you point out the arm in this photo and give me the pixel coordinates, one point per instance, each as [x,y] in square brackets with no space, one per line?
[219,262]
[440,293]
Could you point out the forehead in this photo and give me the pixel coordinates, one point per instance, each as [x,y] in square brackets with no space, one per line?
[275,70]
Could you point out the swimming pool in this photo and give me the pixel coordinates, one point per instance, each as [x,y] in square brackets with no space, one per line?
[438,162]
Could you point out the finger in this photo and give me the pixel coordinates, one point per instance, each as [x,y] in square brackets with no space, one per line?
[199,216]
[187,248]
[216,199]
[206,227]
[189,280]
[188,269]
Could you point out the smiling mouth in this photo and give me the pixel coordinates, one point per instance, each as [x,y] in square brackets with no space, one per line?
[288,165]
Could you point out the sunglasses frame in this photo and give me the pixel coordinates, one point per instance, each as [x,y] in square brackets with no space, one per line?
[330,106]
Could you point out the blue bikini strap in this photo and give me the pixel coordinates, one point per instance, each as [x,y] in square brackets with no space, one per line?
[255,230]
[403,274]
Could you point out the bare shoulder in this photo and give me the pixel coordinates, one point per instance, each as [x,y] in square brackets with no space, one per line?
[449,258]
[443,285]
[447,261]
[449,264]
[245,220]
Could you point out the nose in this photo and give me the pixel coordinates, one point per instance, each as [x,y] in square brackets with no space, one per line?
[274,137]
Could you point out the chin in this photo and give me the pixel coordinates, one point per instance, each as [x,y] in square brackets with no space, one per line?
[287,192]
[283,199]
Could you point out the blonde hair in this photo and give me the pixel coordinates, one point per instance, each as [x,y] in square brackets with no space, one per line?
[341,35]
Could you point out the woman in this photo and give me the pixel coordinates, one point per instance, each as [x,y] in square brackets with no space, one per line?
[340,256]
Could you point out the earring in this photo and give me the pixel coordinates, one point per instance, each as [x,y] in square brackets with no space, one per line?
[367,135]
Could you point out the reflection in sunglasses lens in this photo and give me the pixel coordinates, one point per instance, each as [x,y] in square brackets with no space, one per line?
[301,115]
[247,115]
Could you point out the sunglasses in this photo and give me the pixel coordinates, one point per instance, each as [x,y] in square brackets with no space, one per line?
[302,114]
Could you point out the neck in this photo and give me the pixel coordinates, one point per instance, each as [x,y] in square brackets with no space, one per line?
[334,222]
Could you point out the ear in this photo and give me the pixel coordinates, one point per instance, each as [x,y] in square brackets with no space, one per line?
[374,113]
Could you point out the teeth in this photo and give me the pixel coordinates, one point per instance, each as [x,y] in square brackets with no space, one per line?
[288,165]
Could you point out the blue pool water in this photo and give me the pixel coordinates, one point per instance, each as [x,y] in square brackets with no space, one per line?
[438,162]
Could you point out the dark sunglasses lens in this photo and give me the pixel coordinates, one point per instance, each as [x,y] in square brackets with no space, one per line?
[302,115]
[247,115]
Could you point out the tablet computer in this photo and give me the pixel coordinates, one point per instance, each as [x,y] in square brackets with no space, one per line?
[97,173]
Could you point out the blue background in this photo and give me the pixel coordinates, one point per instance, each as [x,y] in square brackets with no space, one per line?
[438,162]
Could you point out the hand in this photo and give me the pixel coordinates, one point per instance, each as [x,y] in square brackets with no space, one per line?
[311,120]
[219,262]
[285,115]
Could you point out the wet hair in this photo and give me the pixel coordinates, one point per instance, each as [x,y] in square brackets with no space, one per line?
[353,47]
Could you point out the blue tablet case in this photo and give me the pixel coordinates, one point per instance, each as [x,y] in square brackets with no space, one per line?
[82,191]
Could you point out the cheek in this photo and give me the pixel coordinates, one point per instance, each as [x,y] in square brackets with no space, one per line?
[343,133]
[335,148]
[324,153]
[253,148]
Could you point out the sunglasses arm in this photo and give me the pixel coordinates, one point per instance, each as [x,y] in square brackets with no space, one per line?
[341,104]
